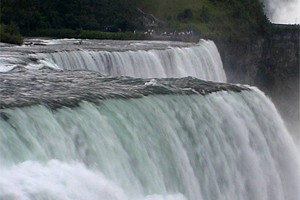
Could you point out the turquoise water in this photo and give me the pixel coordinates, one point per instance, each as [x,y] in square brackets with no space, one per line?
[223,146]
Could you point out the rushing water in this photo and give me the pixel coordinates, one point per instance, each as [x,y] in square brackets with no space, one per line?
[201,60]
[137,59]
[222,146]
[137,144]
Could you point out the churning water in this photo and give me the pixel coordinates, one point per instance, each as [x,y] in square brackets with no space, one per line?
[137,59]
[283,11]
[201,60]
[221,146]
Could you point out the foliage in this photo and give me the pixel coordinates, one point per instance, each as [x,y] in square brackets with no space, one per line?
[10,34]
[87,34]
[204,14]
[222,19]
[185,15]
[209,18]
[31,15]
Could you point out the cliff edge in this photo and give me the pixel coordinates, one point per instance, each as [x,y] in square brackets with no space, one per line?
[271,63]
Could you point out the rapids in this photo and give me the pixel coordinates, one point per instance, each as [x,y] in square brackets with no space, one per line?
[136,59]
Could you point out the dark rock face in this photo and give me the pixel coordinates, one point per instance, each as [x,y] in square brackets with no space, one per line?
[281,64]
[241,59]
[68,88]
[271,64]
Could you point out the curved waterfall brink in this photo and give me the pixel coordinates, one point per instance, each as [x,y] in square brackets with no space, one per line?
[223,146]
[200,60]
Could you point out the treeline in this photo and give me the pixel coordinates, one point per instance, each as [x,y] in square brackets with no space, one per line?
[10,34]
[32,15]
[212,18]
[207,18]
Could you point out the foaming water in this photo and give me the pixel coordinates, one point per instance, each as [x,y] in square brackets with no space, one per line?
[58,180]
[283,11]
[223,146]
[200,60]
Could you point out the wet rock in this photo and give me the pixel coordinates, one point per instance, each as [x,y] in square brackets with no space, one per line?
[68,88]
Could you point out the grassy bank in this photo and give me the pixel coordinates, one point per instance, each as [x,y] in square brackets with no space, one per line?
[222,19]
[87,34]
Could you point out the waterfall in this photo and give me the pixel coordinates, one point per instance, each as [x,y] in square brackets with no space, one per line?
[137,139]
[200,60]
[222,146]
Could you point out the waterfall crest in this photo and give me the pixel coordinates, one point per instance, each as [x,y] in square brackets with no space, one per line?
[200,60]
[223,146]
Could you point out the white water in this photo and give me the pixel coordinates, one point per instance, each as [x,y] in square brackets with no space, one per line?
[283,11]
[224,146]
[201,60]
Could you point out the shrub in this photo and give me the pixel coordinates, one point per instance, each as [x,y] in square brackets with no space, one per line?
[10,34]
[204,14]
[88,34]
[185,14]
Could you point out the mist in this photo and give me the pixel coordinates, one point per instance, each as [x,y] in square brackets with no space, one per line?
[283,11]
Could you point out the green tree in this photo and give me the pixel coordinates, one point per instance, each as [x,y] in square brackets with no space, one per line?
[10,34]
